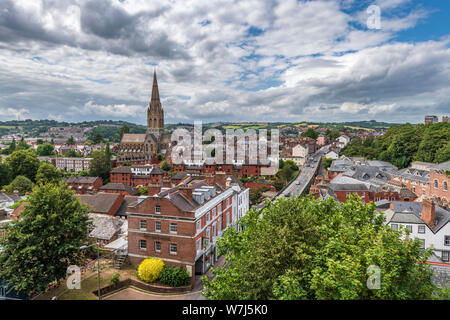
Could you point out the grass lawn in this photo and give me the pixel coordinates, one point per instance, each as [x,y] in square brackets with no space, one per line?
[89,283]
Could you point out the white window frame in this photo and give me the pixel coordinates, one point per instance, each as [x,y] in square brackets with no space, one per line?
[170,249]
[158,223]
[143,222]
[156,249]
[159,209]
[140,245]
[172,224]
[419,228]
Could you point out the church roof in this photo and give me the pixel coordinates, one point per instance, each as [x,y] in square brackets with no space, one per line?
[133,138]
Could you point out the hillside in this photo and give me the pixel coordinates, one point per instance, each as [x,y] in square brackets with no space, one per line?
[401,145]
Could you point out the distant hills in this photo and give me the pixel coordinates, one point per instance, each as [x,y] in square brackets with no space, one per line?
[111,129]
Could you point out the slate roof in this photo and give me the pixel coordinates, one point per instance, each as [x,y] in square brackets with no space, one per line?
[127,201]
[123,169]
[84,180]
[133,138]
[120,187]
[413,174]
[101,202]
[442,166]
[105,227]
[411,212]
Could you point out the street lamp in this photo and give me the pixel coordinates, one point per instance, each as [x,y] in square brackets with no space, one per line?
[98,264]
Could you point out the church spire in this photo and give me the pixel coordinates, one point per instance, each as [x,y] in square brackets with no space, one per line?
[155,91]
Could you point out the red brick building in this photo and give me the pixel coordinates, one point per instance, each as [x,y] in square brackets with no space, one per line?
[104,203]
[83,185]
[137,175]
[180,225]
[440,183]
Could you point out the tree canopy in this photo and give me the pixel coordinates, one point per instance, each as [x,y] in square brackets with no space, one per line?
[100,165]
[23,162]
[306,248]
[38,248]
[47,173]
[45,149]
[401,145]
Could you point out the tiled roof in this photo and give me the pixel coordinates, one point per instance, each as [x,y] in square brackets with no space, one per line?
[127,201]
[122,169]
[101,202]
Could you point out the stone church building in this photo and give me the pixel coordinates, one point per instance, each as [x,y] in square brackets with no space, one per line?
[143,147]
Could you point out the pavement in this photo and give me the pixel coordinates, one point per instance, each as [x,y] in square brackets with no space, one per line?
[131,293]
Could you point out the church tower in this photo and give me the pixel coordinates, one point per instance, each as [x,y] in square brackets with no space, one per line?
[155,112]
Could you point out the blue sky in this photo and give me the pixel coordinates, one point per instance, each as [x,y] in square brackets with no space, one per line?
[224,60]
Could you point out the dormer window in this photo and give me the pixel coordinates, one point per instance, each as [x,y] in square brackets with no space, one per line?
[157,209]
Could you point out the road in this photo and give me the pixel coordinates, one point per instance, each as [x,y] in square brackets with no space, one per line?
[308,171]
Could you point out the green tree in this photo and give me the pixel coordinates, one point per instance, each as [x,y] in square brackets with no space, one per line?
[21,184]
[70,141]
[97,138]
[303,248]
[5,174]
[23,162]
[45,149]
[443,154]
[311,133]
[166,166]
[327,163]
[72,154]
[38,249]
[143,190]
[22,145]
[47,173]
[100,165]
[124,130]
[254,196]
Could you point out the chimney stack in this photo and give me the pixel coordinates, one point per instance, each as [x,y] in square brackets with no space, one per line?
[428,212]
[187,192]
[220,178]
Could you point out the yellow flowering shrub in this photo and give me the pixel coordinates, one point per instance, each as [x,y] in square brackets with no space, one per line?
[149,269]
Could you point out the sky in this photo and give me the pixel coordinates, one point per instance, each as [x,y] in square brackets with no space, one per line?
[217,60]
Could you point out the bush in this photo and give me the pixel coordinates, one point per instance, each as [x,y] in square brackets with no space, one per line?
[174,276]
[149,269]
[115,278]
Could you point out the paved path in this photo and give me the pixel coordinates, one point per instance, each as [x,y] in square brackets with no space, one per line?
[135,294]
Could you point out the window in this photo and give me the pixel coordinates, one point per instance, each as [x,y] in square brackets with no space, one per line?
[157,209]
[157,246]
[143,244]
[408,227]
[208,217]
[219,224]
[436,184]
[394,227]
[362,194]
[214,230]
[157,226]
[446,256]
[173,228]
[445,185]
[208,233]
[228,202]
[421,229]
[173,248]
[199,244]
[446,240]
[199,225]
[219,208]
[214,212]
[143,225]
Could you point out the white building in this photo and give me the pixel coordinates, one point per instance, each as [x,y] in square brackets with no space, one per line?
[332,155]
[427,222]
[342,141]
